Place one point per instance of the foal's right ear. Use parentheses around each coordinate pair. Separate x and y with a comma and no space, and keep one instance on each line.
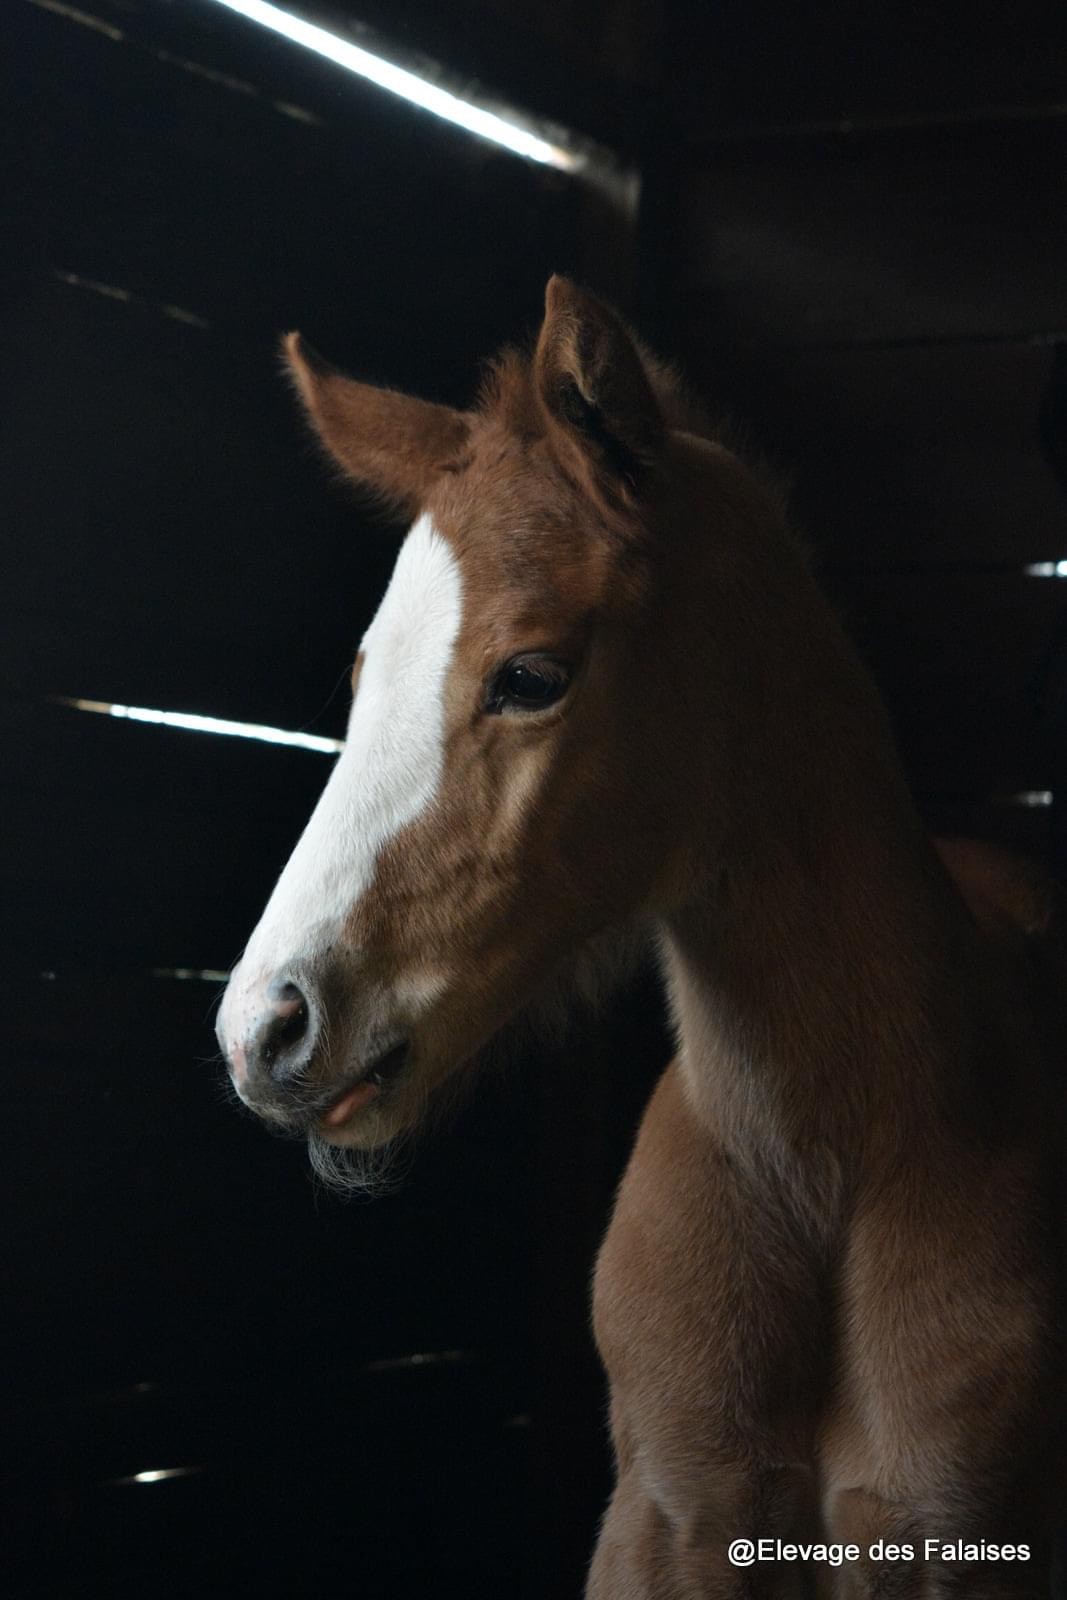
(391,444)
(593,386)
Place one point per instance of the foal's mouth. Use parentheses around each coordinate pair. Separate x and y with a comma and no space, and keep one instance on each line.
(358,1092)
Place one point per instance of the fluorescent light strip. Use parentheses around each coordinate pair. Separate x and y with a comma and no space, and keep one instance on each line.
(408,85)
(1046,569)
(191,722)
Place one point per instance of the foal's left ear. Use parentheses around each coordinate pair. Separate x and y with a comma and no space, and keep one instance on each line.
(391,444)
(593,386)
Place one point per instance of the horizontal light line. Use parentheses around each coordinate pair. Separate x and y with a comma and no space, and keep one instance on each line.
(968,116)
(191,722)
(1032,799)
(226,80)
(192,974)
(185,974)
(1046,569)
(110,291)
(421,1358)
(86,19)
(408,85)
(157,1475)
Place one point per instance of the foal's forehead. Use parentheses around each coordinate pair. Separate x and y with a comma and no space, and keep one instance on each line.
(531,560)
(511,516)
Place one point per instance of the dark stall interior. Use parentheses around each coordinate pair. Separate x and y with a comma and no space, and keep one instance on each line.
(846,224)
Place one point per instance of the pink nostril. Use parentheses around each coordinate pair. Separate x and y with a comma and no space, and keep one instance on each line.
(287,1002)
(272,1035)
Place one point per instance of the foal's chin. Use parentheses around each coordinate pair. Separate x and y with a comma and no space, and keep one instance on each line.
(369,1153)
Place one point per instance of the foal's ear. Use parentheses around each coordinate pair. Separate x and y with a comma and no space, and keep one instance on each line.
(392,444)
(593,386)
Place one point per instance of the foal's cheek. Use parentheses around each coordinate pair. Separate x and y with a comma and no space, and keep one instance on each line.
(516,810)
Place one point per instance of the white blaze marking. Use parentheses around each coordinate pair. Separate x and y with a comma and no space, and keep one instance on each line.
(390,767)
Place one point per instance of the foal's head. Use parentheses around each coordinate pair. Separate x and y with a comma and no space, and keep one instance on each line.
(516,769)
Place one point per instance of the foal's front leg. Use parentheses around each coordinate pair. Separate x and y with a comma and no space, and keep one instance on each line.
(632,1554)
(711,1324)
(643,1555)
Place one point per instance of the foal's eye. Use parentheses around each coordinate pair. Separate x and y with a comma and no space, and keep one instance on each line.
(528,683)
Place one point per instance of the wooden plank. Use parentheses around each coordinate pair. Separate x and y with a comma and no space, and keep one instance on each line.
(964,662)
(908,235)
(902,456)
(754,64)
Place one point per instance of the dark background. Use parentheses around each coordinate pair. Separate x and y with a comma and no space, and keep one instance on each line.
(852,235)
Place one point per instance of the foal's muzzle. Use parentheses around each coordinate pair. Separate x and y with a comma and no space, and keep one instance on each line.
(271,1043)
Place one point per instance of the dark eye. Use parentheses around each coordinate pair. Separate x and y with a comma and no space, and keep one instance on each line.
(527,684)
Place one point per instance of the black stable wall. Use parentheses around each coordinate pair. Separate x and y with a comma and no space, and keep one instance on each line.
(856,241)
(348,1390)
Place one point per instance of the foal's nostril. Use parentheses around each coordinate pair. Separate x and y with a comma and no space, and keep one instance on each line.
(287,1000)
(283,1042)
(284,1032)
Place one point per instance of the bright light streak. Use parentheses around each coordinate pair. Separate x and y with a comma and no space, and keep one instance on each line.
(408,85)
(158,1475)
(191,722)
(1046,569)
(1032,799)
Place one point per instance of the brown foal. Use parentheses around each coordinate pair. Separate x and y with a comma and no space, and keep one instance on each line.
(604,694)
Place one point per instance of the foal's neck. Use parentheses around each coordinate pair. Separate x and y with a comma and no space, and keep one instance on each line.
(819,994)
(818,959)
